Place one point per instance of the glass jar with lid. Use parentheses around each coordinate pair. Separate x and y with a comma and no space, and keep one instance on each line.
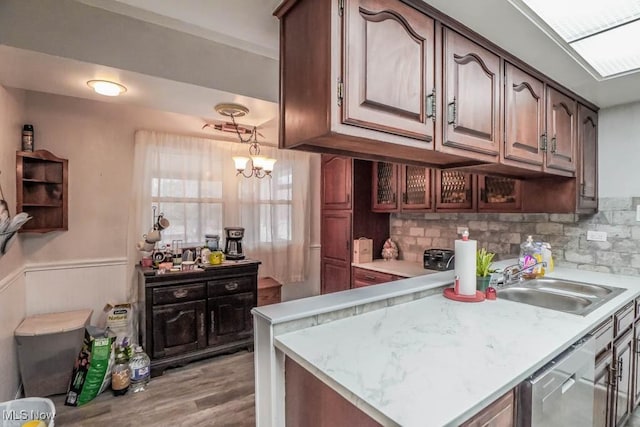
(212,241)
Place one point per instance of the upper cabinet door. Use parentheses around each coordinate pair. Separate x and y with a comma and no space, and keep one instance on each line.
(588,164)
(417,188)
(561,131)
(471,114)
(336,182)
(389,68)
(524,112)
(455,190)
(385,187)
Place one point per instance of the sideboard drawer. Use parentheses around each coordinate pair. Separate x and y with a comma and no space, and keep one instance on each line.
(231,286)
(173,294)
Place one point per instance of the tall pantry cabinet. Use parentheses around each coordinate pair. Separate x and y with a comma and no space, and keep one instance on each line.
(346,215)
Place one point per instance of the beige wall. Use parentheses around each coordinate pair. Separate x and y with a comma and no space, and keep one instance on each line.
(12,284)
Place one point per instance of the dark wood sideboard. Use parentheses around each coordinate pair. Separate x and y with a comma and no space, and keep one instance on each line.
(185,316)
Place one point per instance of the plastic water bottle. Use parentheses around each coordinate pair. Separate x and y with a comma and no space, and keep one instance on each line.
(140,365)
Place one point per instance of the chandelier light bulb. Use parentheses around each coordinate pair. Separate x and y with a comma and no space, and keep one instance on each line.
(240,162)
(268,165)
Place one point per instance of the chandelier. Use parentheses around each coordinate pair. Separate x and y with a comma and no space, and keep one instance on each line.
(260,166)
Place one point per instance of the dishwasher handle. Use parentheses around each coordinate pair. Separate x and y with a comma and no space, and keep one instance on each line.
(568,383)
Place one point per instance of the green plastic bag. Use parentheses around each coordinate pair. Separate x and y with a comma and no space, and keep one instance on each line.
(92,370)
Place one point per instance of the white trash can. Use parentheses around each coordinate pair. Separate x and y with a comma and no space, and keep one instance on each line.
(16,413)
(48,345)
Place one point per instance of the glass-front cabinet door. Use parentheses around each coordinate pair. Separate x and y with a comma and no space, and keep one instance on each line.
(498,193)
(455,190)
(417,188)
(385,187)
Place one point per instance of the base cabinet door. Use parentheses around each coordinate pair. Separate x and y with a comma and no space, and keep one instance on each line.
(230,318)
(604,383)
(336,277)
(622,352)
(178,328)
(636,365)
(500,413)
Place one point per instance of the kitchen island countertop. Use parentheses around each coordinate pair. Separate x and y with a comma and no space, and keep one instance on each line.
(432,361)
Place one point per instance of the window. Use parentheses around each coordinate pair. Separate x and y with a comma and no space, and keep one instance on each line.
(193,182)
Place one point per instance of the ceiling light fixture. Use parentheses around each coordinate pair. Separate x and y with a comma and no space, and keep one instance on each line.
(261,166)
(106,88)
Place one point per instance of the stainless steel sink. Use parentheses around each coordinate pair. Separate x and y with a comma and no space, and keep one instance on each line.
(570,287)
(562,295)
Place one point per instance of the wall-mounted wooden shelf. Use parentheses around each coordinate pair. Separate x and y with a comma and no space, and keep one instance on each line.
(41,182)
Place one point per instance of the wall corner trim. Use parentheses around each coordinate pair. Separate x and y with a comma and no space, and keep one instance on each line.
(8,280)
(79,263)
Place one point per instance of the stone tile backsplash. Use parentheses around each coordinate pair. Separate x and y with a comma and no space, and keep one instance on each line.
(502,233)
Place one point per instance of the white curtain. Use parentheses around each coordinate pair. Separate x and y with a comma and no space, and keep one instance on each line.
(194,183)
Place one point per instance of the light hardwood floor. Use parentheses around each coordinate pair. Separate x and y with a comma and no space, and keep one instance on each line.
(214,392)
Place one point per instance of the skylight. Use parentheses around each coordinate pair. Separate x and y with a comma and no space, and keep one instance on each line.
(602,34)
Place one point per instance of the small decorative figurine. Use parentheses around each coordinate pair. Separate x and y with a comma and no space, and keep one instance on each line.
(389,250)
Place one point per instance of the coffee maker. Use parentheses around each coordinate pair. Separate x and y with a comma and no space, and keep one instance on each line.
(233,243)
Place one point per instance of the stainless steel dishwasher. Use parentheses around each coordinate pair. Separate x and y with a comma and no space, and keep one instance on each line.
(561,393)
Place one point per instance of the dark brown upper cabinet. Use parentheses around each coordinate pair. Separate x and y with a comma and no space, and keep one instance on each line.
(587,159)
(499,194)
(561,132)
(455,191)
(416,188)
(384,197)
(524,116)
(403,188)
(389,69)
(471,80)
(336,183)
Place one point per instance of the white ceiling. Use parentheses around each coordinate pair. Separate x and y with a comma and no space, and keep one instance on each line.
(250,26)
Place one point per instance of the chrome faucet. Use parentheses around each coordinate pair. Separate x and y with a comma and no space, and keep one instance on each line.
(514,273)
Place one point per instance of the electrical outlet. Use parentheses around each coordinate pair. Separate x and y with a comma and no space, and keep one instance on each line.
(597,236)
(637,212)
(463,229)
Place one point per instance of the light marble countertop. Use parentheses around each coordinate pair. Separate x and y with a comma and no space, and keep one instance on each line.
(396,267)
(434,362)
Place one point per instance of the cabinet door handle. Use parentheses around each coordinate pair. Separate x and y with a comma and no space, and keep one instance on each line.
(543,142)
(451,112)
(368,277)
(212,317)
(554,144)
(202,324)
(431,105)
(613,375)
(638,347)
(231,286)
(180,293)
(619,369)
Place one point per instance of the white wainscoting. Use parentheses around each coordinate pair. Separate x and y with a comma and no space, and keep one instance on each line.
(12,312)
(76,284)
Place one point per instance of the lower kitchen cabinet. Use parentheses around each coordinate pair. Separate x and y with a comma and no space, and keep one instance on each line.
(500,413)
(622,352)
(186,316)
(604,380)
(363,277)
(636,365)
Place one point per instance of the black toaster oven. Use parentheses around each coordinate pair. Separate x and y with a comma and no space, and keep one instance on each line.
(439,259)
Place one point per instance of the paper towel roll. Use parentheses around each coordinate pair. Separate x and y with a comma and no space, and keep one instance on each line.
(466,266)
